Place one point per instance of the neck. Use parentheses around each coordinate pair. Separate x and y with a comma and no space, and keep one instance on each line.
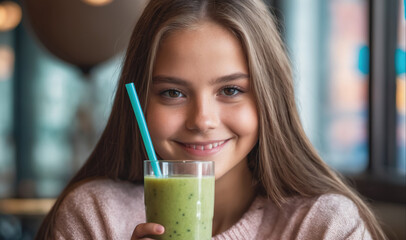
(233,196)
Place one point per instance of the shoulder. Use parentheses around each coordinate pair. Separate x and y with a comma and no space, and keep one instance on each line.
(101,190)
(101,209)
(103,195)
(332,216)
(324,206)
(334,205)
(329,216)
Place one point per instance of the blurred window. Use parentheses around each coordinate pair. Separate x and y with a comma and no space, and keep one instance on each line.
(7,147)
(51,115)
(328,42)
(349,69)
(400,63)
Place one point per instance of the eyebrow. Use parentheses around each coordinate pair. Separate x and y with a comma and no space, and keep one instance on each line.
(179,81)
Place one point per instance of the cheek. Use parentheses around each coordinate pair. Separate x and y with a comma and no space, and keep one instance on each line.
(243,121)
(162,123)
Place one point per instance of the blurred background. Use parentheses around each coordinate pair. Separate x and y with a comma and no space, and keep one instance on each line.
(60,61)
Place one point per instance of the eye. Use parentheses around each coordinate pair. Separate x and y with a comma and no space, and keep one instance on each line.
(230,91)
(172,93)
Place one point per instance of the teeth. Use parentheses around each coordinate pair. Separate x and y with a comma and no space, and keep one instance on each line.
(205,147)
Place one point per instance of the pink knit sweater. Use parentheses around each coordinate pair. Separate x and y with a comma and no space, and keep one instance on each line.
(107,209)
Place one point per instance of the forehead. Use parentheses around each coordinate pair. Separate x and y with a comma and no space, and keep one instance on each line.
(204,30)
(201,26)
(207,46)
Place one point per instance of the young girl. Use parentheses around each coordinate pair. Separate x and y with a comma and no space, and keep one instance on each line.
(216,84)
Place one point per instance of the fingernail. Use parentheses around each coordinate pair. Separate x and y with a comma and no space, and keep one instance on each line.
(160,229)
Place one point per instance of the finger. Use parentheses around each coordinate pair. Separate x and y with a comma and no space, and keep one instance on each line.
(144,229)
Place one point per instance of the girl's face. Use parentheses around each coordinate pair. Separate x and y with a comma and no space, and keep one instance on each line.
(200,105)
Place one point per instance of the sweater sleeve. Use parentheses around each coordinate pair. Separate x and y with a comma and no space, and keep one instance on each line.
(100,210)
(333,217)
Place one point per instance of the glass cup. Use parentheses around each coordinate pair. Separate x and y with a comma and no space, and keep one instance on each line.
(182,200)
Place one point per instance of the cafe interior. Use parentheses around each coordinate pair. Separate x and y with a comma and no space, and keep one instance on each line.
(60,61)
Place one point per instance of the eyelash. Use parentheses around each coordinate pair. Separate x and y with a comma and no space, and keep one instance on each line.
(165,93)
(238,89)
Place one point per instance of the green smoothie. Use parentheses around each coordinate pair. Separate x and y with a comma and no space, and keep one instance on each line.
(182,204)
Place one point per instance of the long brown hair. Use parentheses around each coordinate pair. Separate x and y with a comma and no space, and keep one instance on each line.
(284,162)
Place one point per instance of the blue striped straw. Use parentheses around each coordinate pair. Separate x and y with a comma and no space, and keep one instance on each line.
(135,102)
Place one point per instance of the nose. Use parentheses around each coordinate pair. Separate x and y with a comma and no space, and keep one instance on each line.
(202,115)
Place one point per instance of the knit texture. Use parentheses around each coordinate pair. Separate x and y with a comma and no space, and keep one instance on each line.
(107,209)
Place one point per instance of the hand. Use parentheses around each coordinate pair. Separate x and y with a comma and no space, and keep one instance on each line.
(144,229)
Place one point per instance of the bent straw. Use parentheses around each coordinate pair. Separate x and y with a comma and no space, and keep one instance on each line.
(143,128)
